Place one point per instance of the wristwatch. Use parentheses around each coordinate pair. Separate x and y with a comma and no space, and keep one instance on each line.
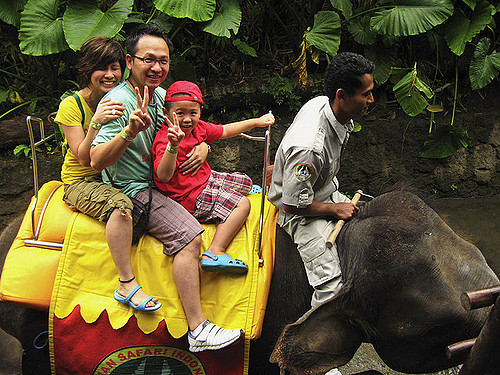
(95,125)
(125,136)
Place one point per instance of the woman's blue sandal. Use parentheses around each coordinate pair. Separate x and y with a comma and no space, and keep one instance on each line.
(140,307)
(223,263)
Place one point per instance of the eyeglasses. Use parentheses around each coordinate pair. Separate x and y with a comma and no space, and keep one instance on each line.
(150,61)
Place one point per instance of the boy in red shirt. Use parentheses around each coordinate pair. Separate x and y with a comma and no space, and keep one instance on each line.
(209,195)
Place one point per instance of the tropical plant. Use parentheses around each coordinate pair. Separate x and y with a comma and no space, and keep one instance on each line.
(224,37)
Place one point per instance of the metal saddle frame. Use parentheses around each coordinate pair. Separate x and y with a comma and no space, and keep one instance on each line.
(58,136)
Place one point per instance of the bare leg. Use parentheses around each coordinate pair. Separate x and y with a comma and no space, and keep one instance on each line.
(202,334)
(227,230)
(187,280)
(119,238)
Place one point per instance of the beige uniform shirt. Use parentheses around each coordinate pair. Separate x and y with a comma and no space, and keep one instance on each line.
(308,158)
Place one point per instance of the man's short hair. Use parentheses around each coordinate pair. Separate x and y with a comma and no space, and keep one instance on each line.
(144,30)
(346,71)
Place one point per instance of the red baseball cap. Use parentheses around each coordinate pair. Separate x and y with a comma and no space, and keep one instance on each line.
(190,90)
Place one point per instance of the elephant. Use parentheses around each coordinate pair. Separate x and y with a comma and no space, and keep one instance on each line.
(403,272)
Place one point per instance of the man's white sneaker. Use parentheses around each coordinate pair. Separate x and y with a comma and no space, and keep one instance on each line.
(333,371)
(213,337)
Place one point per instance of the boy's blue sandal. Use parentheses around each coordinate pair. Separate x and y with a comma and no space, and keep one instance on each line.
(141,306)
(223,263)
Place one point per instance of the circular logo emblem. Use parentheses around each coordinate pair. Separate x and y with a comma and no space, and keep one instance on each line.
(303,171)
(151,360)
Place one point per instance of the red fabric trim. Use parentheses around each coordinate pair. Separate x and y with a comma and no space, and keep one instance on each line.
(81,348)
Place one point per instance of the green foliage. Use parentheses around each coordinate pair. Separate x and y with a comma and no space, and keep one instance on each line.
(445,141)
(410,17)
(344,6)
(361,31)
(23,150)
(244,48)
(41,31)
(197,10)
(385,58)
(282,91)
(9,11)
(226,21)
(221,38)
(460,30)
(410,91)
(92,21)
(325,34)
(484,66)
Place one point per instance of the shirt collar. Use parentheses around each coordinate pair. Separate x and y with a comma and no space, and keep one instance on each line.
(341,130)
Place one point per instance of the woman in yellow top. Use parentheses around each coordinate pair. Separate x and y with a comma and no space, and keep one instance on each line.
(101,66)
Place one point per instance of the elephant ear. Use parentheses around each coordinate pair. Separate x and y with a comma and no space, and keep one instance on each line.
(320,340)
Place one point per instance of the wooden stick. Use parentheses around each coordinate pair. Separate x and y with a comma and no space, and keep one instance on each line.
(479,298)
(461,347)
(336,230)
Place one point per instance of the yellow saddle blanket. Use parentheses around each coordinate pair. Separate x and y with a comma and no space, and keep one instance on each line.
(83,273)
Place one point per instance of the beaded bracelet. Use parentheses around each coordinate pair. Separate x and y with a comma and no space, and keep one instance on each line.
(172,150)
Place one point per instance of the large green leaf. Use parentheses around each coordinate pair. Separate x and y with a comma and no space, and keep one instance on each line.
(384,58)
(460,30)
(83,20)
(345,6)
(325,34)
(361,31)
(9,11)
(483,67)
(445,141)
(408,92)
(229,18)
(197,10)
(41,31)
(411,17)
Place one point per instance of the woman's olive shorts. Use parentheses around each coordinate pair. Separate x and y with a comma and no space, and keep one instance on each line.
(95,198)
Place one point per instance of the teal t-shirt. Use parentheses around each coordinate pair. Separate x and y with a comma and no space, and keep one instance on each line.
(132,171)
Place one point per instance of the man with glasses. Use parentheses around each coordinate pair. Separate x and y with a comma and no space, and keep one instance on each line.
(123,148)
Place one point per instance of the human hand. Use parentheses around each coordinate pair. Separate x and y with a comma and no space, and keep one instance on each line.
(107,110)
(344,210)
(195,159)
(175,134)
(265,120)
(139,119)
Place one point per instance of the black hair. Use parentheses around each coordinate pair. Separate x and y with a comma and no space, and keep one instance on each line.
(346,71)
(96,54)
(138,33)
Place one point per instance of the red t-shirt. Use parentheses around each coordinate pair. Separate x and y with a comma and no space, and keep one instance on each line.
(185,188)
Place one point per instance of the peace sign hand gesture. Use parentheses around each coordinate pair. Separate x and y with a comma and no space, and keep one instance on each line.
(139,119)
(175,134)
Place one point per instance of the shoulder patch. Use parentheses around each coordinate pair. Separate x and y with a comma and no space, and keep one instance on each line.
(303,171)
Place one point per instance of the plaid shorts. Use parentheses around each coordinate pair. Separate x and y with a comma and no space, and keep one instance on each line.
(221,196)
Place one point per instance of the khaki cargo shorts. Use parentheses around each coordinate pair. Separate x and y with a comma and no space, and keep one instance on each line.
(93,197)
